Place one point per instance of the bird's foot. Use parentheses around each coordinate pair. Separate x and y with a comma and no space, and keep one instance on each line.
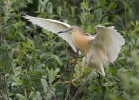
(72,82)
(72,61)
(67,82)
(86,67)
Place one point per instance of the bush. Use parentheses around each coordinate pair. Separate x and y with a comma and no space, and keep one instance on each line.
(33,60)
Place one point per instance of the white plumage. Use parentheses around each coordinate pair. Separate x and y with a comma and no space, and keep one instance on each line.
(53,26)
(98,50)
(106,46)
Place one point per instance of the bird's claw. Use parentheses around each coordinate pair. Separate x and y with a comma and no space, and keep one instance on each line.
(67,82)
(86,67)
(72,61)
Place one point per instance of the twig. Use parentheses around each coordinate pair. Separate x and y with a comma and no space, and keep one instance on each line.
(53,96)
(71,74)
(26,33)
(6,88)
(64,71)
(77,92)
(125,13)
(2,94)
(74,2)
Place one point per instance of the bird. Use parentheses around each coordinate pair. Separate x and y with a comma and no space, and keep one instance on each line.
(98,50)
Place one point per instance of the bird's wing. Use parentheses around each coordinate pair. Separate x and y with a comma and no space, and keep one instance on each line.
(110,39)
(53,26)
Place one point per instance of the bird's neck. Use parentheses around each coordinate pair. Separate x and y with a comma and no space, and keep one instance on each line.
(81,41)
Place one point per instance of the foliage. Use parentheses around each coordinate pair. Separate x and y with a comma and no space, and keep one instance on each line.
(33,60)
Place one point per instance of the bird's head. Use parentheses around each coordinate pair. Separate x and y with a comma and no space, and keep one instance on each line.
(70,29)
(100,28)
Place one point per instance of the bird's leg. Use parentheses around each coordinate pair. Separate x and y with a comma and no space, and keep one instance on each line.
(86,61)
(79,75)
(86,67)
(73,80)
(67,82)
(99,80)
(72,61)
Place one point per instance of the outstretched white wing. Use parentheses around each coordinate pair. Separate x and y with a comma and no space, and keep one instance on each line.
(53,26)
(110,39)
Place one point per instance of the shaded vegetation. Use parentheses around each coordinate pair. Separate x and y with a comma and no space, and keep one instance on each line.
(33,60)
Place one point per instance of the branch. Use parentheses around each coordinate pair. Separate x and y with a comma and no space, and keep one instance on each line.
(71,74)
(64,72)
(77,92)
(53,96)
(2,95)
(6,88)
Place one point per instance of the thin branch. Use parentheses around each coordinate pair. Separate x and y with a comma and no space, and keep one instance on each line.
(26,33)
(53,96)
(64,71)
(2,94)
(6,88)
(125,13)
(77,92)
(71,77)
(74,2)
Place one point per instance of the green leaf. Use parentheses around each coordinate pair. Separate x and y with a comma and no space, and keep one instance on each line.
(25,44)
(0,28)
(132,23)
(46,32)
(37,96)
(51,75)
(18,81)
(73,10)
(44,84)
(21,97)
(31,42)
(84,5)
(89,29)
(21,35)
(57,70)
(43,55)
(57,59)
(30,1)
(113,6)
(48,96)
(42,4)
(29,28)
(102,2)
(50,7)
(59,10)
(137,42)
(31,95)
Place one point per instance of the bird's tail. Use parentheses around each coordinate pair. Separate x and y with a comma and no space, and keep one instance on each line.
(100,69)
(111,41)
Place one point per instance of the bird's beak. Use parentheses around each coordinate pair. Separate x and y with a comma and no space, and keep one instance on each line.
(64,31)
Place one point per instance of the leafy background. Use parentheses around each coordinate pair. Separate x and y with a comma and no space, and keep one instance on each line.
(33,60)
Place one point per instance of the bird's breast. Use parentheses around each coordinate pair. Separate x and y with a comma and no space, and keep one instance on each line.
(82,41)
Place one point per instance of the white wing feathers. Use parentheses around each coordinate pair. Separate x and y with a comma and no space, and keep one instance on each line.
(53,26)
(111,41)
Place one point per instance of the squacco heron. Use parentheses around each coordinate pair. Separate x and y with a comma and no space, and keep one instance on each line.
(98,50)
